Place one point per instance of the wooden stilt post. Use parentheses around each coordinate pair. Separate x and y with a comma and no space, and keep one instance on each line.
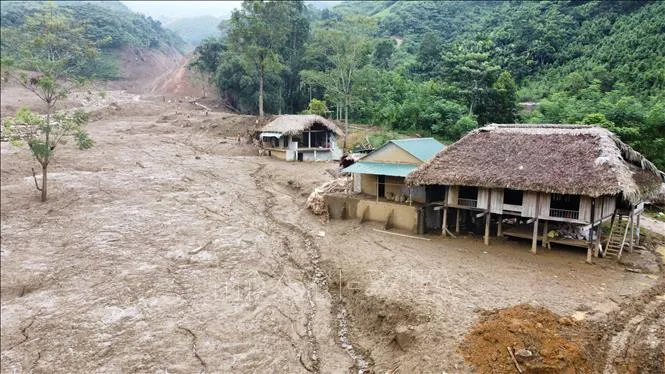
(377,188)
(598,240)
(499,228)
(534,240)
(544,241)
(632,230)
(488,218)
(638,229)
(457,213)
(444,227)
(589,249)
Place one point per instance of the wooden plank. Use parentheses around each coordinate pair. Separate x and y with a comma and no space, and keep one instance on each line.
(529,202)
(496,201)
(585,209)
(544,203)
(453,192)
(483,198)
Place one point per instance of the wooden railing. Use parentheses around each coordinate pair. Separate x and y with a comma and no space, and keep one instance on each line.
(467,202)
(563,213)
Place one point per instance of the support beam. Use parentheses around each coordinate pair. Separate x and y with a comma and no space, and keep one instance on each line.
(598,239)
(499,227)
(638,229)
(534,240)
(457,212)
(444,227)
(544,241)
(632,230)
(488,218)
(589,245)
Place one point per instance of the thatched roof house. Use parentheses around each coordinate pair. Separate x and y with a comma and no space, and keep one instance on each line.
(563,159)
(301,137)
(291,124)
(559,174)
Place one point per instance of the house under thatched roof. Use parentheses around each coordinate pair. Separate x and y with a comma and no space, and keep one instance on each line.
(291,124)
(564,159)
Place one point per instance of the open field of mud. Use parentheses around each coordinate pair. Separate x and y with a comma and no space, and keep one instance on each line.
(171,247)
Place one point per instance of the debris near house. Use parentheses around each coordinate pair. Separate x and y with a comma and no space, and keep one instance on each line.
(316,202)
(526,339)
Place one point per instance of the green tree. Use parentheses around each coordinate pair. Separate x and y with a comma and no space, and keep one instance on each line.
(348,48)
(383,51)
(257,32)
(44,134)
(317,107)
(53,48)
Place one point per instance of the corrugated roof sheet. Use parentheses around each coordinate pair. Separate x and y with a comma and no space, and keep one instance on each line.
(421,148)
(380,168)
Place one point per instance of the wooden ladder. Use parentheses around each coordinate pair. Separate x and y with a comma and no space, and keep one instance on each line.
(617,239)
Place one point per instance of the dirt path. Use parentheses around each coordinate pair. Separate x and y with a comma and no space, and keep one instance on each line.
(652,224)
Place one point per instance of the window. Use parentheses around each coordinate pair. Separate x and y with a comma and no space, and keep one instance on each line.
(468,196)
(466,192)
(512,197)
(565,206)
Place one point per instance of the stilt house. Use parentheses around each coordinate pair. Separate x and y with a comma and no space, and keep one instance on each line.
(544,175)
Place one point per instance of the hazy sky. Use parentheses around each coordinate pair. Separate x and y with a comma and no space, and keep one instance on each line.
(182,9)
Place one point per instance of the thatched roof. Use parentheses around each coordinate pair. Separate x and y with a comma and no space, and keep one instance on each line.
(566,159)
(291,124)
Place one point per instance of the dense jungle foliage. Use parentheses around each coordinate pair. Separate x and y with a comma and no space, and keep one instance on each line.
(444,68)
(110,26)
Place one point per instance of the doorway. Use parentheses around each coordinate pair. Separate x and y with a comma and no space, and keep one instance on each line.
(382,186)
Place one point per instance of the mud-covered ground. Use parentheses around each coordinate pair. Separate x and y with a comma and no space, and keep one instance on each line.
(171,247)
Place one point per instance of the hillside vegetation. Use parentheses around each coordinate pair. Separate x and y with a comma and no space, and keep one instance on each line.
(444,68)
(110,26)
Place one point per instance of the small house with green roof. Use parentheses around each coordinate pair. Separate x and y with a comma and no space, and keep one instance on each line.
(381,173)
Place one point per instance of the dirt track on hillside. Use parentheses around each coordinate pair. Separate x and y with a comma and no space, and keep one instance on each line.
(171,247)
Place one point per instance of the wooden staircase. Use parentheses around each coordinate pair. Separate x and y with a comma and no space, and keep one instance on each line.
(618,238)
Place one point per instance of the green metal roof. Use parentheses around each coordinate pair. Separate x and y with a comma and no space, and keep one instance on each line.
(380,168)
(422,148)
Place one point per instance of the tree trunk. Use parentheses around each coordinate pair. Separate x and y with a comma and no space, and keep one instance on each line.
(346,120)
(261,72)
(44,182)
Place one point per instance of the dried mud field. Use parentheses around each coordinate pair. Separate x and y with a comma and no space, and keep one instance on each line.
(171,247)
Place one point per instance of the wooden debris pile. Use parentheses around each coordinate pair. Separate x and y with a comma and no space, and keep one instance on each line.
(316,202)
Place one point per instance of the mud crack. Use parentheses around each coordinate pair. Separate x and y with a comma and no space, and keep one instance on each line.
(204,366)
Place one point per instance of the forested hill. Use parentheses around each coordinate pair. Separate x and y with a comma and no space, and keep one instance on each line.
(195,29)
(109,25)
